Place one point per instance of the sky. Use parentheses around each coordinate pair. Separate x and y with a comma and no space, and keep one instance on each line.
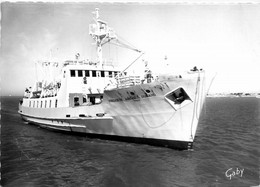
(222,38)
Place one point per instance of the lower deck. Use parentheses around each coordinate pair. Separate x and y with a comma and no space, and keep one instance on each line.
(81,131)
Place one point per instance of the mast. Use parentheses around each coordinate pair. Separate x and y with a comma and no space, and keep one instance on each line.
(101,33)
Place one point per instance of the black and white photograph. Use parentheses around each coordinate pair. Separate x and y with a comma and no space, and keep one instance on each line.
(130,93)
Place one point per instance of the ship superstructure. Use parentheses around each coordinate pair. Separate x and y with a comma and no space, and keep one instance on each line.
(102,101)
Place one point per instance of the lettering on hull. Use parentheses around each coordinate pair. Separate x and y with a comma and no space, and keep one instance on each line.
(134,94)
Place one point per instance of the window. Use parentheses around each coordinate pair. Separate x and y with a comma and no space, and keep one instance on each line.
(72,73)
(41,104)
(33,104)
(56,103)
(102,74)
(37,104)
(92,100)
(50,104)
(84,99)
(29,103)
(45,104)
(85,81)
(76,101)
(94,73)
(80,73)
(110,74)
(86,73)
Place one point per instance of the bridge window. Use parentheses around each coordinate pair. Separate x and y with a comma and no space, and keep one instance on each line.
(50,104)
(102,74)
(41,104)
(94,73)
(86,73)
(45,104)
(72,73)
(56,103)
(80,73)
(29,103)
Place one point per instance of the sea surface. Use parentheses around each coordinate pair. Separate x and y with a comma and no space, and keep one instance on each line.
(226,153)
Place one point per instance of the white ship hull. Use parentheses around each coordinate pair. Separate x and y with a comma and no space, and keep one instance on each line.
(142,114)
(97,99)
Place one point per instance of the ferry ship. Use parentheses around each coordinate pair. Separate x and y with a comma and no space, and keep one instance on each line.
(99,100)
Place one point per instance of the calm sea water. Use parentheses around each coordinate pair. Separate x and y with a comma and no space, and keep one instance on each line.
(226,153)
